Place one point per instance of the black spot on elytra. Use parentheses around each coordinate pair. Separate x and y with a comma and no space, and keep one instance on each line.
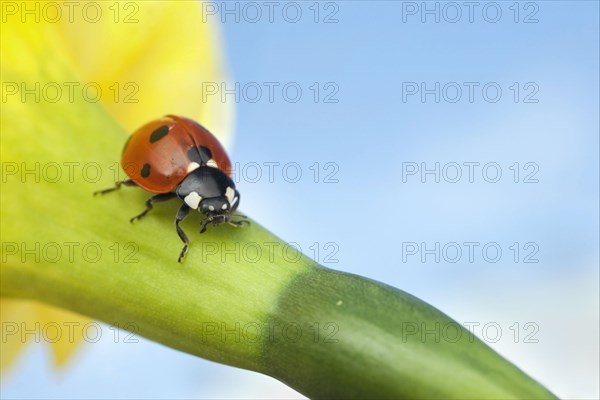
(159,133)
(200,155)
(145,171)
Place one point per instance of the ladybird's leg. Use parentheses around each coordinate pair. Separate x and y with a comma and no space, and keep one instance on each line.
(236,199)
(117,186)
(203,224)
(233,209)
(154,199)
(181,214)
(238,223)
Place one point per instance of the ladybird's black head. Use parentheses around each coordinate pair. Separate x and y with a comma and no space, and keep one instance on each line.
(211,192)
(215,207)
(217,210)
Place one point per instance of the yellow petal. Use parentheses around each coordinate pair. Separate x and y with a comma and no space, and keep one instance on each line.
(151,59)
(13,313)
(63,329)
(148,59)
(25,321)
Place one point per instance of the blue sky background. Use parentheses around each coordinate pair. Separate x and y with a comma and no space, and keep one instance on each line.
(370,212)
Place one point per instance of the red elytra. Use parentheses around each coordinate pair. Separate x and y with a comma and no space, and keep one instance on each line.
(157,157)
(175,157)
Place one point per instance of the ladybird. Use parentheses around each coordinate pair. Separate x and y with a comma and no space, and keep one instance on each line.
(176,157)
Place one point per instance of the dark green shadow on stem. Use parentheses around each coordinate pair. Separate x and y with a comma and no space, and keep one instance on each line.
(344,336)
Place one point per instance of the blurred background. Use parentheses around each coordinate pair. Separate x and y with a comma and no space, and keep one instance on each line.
(449,150)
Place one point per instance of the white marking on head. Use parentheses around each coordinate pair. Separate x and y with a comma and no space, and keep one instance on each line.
(229,193)
(212,163)
(224,206)
(193,200)
(192,166)
(211,208)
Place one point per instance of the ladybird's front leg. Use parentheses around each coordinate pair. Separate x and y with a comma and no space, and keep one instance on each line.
(203,225)
(181,214)
(239,223)
(117,186)
(154,199)
(236,203)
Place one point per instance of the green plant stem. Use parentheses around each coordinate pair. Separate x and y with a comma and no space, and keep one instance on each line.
(212,306)
(324,333)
